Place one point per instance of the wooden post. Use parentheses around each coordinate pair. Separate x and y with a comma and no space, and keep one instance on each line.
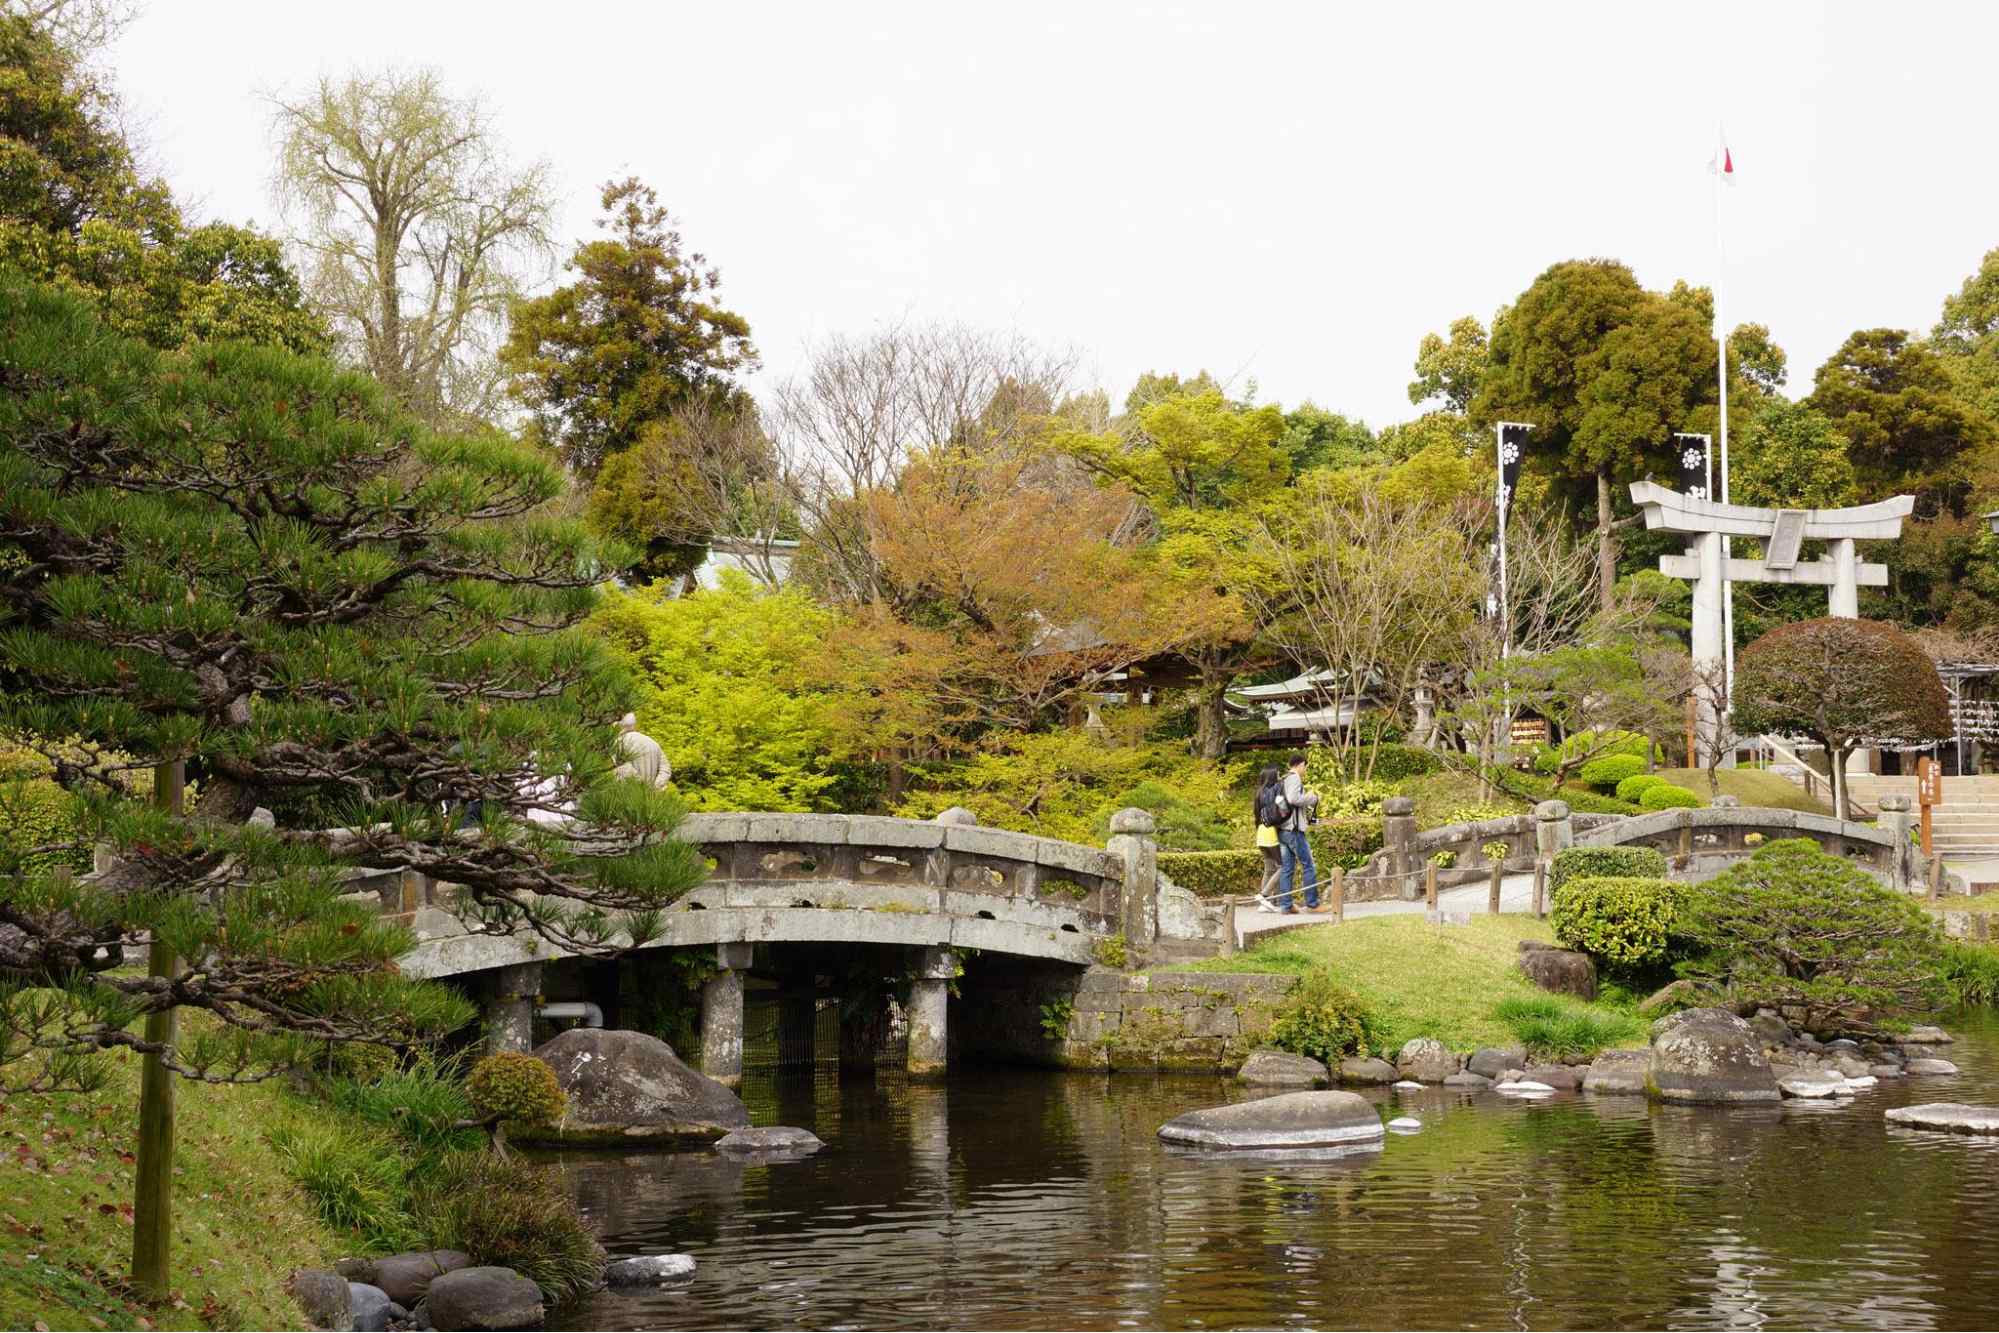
(1339,893)
(1540,890)
(1936,878)
(1228,927)
(1430,885)
(1492,894)
(1693,755)
(153,1185)
(1929,794)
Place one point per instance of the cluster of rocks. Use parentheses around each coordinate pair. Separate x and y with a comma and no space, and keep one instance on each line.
(444,1289)
(1696,1056)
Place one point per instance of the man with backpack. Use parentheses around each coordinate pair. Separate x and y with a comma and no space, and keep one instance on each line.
(1294,806)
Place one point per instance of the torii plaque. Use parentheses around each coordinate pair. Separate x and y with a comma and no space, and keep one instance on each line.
(1783,532)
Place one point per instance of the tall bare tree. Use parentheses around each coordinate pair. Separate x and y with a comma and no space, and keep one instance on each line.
(851,420)
(83,27)
(415,230)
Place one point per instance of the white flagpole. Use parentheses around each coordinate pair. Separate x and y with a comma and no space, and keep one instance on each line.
(1505,612)
(1721,374)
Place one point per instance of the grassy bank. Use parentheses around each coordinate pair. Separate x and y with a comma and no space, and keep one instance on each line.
(1458,984)
(1751,786)
(240,1225)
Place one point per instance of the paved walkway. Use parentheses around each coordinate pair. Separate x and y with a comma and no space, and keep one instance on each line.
(1516,894)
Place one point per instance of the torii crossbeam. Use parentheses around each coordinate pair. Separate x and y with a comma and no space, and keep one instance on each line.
(1783,533)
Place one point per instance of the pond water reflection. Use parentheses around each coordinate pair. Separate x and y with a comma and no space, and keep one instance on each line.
(1035,1200)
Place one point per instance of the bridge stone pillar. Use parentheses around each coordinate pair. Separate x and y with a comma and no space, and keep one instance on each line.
(1398,839)
(1899,823)
(1131,840)
(510,1008)
(1554,831)
(929,1003)
(722,1016)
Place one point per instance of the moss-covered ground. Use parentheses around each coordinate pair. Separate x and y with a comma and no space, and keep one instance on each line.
(66,1176)
(1447,982)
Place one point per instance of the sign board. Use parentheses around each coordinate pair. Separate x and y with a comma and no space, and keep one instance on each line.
(1929,782)
(1530,731)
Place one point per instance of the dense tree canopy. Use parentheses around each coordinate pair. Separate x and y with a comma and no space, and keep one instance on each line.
(1907,427)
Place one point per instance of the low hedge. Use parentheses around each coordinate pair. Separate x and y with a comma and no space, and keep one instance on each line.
(1635,786)
(1620,862)
(1626,921)
(1342,842)
(1666,796)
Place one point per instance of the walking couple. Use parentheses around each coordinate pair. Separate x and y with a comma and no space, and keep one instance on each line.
(1283,812)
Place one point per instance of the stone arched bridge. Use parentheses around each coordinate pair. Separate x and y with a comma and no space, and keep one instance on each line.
(933,887)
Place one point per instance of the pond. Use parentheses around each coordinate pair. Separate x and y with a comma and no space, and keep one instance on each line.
(1043,1201)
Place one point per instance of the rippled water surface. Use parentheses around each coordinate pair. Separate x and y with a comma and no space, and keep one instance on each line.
(1032,1200)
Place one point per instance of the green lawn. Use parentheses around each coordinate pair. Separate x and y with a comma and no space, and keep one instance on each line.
(1437,795)
(65,1210)
(1428,981)
(1751,786)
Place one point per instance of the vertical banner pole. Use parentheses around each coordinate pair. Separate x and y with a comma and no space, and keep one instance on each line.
(1721,160)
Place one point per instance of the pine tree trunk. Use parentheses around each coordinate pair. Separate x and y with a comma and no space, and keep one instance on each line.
(153,1186)
(1606,546)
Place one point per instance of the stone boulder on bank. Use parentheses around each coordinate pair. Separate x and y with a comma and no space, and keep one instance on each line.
(1618,1074)
(1706,1057)
(627,1087)
(490,1300)
(1560,971)
(1282,1069)
(323,1298)
(1366,1071)
(404,1278)
(1426,1060)
(1291,1120)
(1492,1061)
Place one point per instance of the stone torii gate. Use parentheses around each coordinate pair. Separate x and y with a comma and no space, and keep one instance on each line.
(1783,533)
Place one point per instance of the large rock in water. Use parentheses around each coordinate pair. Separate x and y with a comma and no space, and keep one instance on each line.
(1426,1060)
(1618,1074)
(1955,1117)
(1366,1070)
(487,1299)
(1289,1120)
(1492,1061)
(1281,1068)
(627,1087)
(770,1141)
(1708,1057)
(1563,971)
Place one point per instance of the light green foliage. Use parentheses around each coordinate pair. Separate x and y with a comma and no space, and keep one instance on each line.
(1969,973)
(513,1085)
(1493,851)
(727,691)
(1598,696)
(1791,457)
(1547,758)
(1474,813)
(1445,859)
(1793,927)
(1666,796)
(1324,1020)
(354,1178)
(1193,450)
(1314,437)
(1214,874)
(1590,862)
(1606,771)
(1624,921)
(1055,1016)
(1635,786)
(507,1212)
(1450,372)
(35,813)
(1111,951)
(1555,1029)
(1067,784)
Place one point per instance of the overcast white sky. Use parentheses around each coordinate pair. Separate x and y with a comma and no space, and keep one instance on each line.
(1287,193)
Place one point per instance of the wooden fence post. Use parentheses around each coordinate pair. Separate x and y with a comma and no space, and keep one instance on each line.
(153,1187)
(1492,894)
(1936,878)
(1339,893)
(1430,885)
(1540,890)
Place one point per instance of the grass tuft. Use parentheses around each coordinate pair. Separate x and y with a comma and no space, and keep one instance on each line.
(1554,1029)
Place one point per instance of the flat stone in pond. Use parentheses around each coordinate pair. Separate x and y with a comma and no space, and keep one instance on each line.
(1408,1085)
(1811,1085)
(1405,1124)
(1618,1074)
(1929,1067)
(1492,1061)
(1956,1117)
(1467,1079)
(770,1139)
(1884,1071)
(1925,1035)
(1282,1069)
(1524,1087)
(1561,1078)
(649,1268)
(1366,1070)
(1289,1120)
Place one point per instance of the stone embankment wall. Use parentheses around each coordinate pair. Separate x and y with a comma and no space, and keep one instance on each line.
(1104,1019)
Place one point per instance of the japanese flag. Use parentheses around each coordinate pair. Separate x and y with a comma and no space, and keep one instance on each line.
(1723,163)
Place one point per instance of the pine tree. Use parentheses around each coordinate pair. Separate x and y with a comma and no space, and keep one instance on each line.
(244,561)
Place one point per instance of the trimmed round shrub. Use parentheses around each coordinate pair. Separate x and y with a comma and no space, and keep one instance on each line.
(1624,920)
(1395,763)
(513,1085)
(1637,785)
(1606,771)
(1666,796)
(1324,1020)
(1626,862)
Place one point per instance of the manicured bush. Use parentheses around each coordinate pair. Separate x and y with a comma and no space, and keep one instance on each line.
(1324,1020)
(511,1213)
(1624,921)
(1548,758)
(1666,796)
(1798,929)
(1636,785)
(513,1085)
(1344,842)
(1553,1029)
(1398,763)
(1606,771)
(1581,862)
(35,813)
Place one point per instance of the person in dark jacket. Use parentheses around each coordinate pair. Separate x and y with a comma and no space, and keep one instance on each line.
(1296,870)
